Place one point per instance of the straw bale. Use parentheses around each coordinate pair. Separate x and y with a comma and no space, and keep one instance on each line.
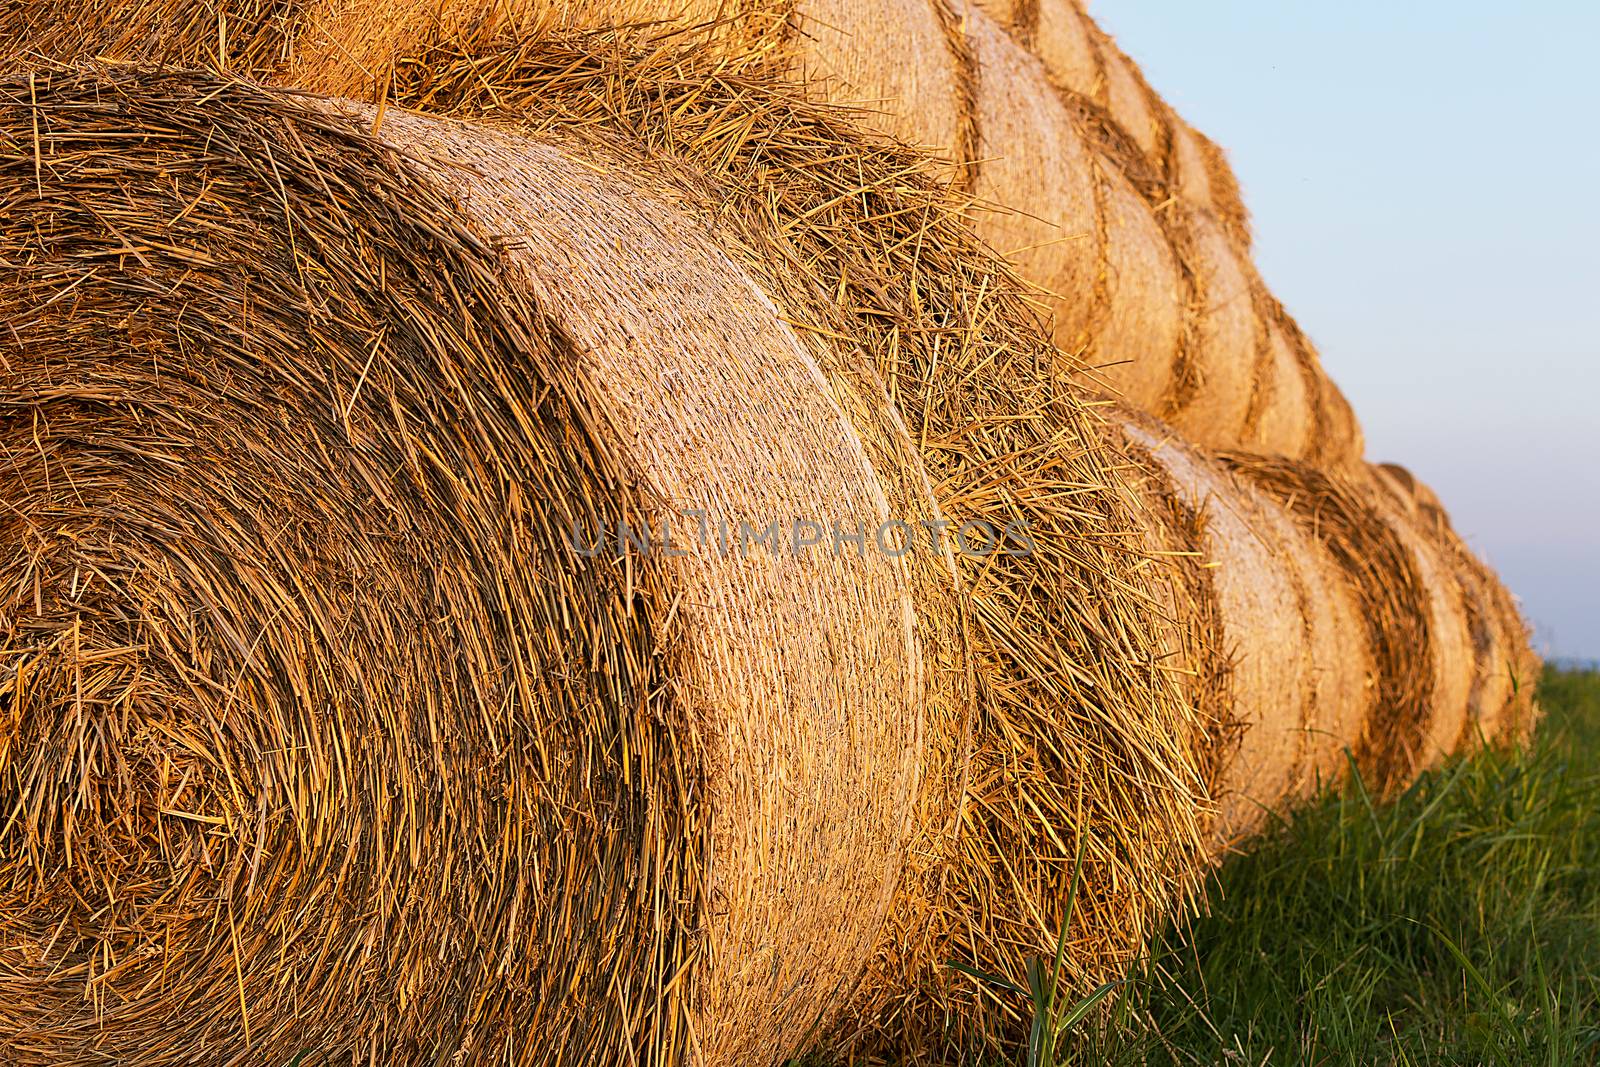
(322,721)
(1340,444)
(1061,37)
(1283,417)
(924,95)
(1188,164)
(1450,641)
(1074,708)
(1129,101)
(1210,399)
(1409,604)
(1500,706)
(720,292)
(1083,59)
(1136,343)
(1039,175)
(1286,617)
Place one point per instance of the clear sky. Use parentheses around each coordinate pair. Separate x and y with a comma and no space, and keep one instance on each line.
(1424,181)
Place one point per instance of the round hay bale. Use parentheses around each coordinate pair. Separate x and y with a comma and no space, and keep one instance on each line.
(698,242)
(1138,339)
(1284,615)
(1340,444)
(1189,163)
(1450,640)
(1128,99)
(1036,175)
(1210,400)
(1060,35)
(1499,704)
(1079,734)
(327,718)
(1396,608)
(1283,414)
(926,96)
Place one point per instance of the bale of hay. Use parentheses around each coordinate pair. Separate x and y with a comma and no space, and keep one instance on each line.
(339,743)
(1452,649)
(924,97)
(1183,331)
(330,737)
(1074,694)
(1279,606)
(1500,704)
(1349,622)
(1083,59)
(1080,733)
(1411,631)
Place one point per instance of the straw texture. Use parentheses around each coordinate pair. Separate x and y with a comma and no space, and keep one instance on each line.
(1452,653)
(1126,220)
(466,788)
(319,733)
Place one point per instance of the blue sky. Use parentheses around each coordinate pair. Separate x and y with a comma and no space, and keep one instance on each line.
(1424,179)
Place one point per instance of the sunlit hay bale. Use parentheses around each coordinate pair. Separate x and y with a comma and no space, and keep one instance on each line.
(1276,604)
(1115,210)
(1080,731)
(323,731)
(1451,645)
(1083,59)
(1500,705)
(925,95)
(708,291)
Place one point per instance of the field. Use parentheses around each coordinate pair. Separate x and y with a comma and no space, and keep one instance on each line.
(1458,924)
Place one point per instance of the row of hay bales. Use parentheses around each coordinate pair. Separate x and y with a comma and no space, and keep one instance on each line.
(323,741)
(1127,220)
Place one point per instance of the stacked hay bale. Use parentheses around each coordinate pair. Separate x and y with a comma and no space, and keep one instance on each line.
(1500,703)
(1284,616)
(1127,221)
(306,695)
(657,269)
(1356,626)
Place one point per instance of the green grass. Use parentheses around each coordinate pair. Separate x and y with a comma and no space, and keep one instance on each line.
(1458,924)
